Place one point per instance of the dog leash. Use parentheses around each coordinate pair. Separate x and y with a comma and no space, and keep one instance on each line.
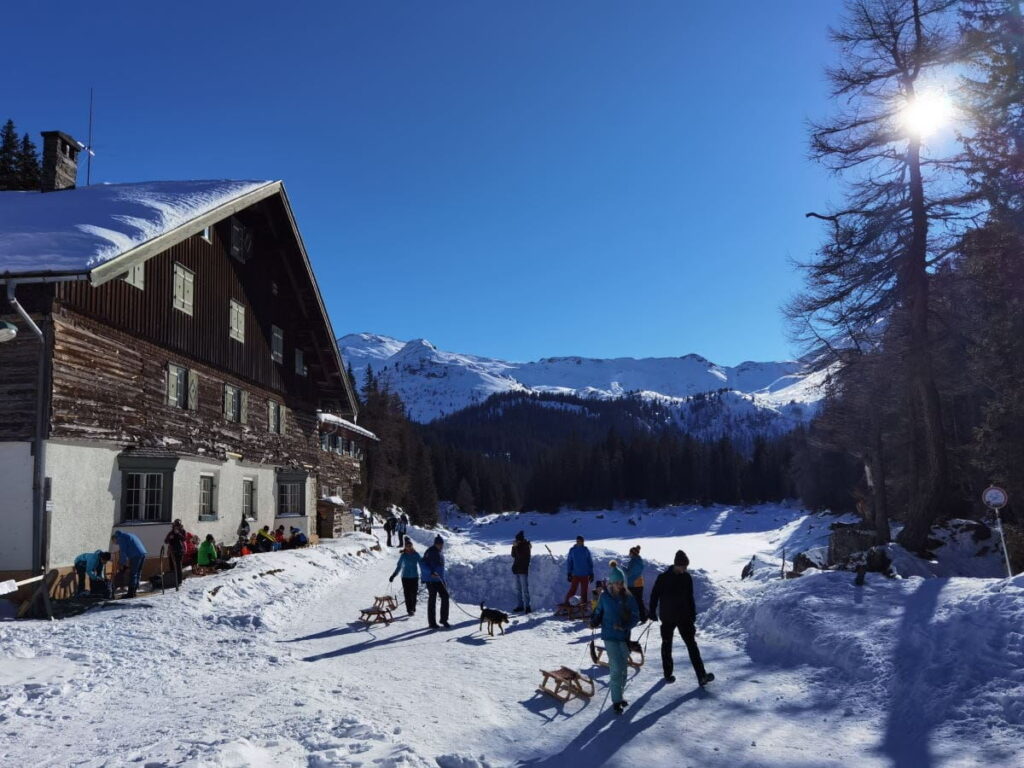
(451,598)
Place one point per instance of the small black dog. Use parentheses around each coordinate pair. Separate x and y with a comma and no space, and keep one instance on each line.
(492,617)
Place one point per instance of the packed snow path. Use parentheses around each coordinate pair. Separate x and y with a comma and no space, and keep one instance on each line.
(267,665)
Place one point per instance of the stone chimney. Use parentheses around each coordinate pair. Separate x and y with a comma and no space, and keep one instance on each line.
(60,161)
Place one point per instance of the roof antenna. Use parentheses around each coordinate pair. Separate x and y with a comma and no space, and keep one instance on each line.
(88,147)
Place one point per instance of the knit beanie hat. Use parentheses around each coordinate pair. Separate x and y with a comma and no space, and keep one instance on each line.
(438,541)
(681,558)
(520,536)
(614,574)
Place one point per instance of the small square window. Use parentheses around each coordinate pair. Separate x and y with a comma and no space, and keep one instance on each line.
(236,320)
(207,497)
(184,289)
(207,234)
(277,344)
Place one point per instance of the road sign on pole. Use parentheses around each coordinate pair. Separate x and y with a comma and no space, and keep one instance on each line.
(995,498)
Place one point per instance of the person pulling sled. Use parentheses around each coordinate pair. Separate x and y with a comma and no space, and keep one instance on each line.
(617,613)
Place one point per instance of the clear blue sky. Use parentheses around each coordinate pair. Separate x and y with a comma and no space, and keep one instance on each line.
(514,179)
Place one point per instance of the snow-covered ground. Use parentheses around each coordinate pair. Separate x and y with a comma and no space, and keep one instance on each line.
(265,665)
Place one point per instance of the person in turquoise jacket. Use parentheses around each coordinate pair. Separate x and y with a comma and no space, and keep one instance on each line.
(616,615)
(409,565)
(93,565)
(635,580)
(133,556)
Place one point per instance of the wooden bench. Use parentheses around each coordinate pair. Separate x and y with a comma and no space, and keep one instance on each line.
(565,684)
(376,615)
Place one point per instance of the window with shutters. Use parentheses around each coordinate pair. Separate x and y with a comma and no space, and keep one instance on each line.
(177,386)
(277,344)
(325,441)
(248,498)
(184,289)
(136,276)
(236,320)
(241,245)
(232,403)
(207,497)
(274,416)
(300,363)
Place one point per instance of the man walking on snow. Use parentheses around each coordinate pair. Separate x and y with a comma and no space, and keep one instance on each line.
(672,602)
(581,570)
(521,571)
(432,570)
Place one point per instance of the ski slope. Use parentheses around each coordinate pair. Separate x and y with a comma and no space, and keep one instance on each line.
(265,665)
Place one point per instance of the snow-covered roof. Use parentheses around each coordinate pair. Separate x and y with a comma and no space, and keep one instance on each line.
(330,418)
(74,231)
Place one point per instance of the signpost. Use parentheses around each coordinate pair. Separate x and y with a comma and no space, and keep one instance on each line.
(995,498)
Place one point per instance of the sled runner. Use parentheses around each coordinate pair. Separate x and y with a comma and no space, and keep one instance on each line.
(635,660)
(565,684)
(376,615)
(385,602)
(570,611)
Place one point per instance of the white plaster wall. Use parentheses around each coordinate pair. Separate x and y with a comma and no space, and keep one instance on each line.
(85,488)
(228,482)
(86,494)
(16,506)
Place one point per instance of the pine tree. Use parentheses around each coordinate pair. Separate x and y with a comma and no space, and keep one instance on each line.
(28,172)
(8,156)
(464,498)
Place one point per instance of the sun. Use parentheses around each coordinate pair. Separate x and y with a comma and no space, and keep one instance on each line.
(927,112)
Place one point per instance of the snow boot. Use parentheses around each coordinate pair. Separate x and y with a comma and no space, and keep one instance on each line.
(620,707)
(705,680)
(670,678)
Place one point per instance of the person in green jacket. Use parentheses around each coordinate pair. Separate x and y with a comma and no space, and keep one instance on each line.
(207,555)
(616,614)
(409,565)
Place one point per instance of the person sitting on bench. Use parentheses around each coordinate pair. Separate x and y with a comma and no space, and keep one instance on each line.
(94,565)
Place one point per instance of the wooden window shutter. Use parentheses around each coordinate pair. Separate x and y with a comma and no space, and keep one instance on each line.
(193,390)
(227,402)
(172,386)
(243,409)
(284,414)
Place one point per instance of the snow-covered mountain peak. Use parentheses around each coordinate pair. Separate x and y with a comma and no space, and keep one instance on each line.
(435,383)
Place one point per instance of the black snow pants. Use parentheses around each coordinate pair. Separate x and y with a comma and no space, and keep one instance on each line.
(410,587)
(688,632)
(638,595)
(435,588)
(176,556)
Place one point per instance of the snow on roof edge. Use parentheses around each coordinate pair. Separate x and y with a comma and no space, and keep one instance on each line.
(330,418)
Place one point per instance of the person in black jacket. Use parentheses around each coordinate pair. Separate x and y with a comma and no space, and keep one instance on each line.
(175,541)
(521,571)
(672,602)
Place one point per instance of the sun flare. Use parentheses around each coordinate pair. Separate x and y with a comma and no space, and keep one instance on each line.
(929,111)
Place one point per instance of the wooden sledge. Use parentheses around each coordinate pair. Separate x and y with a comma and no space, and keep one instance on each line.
(565,684)
(376,615)
(386,602)
(636,654)
(570,611)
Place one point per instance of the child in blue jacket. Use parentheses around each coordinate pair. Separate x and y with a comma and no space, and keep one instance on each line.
(409,565)
(616,614)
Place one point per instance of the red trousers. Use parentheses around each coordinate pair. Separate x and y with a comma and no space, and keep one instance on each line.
(581,582)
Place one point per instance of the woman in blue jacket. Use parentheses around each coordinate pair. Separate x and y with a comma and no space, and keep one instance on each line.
(409,565)
(616,614)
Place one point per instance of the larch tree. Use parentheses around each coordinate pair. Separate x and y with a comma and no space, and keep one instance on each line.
(891,229)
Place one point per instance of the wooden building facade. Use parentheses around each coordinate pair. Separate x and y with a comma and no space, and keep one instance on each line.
(194,375)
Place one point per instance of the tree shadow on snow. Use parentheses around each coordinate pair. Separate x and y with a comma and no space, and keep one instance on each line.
(598,742)
(912,709)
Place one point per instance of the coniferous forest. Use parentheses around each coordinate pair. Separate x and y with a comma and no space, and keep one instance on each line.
(914,302)
(19,160)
